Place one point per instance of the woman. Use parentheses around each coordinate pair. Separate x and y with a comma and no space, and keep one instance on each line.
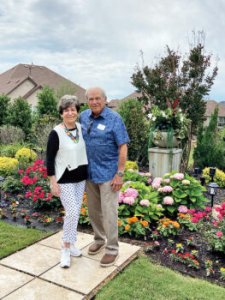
(67,169)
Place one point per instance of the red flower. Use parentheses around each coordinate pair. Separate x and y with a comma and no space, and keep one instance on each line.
(219,233)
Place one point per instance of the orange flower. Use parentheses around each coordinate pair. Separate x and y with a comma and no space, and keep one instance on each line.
(176,224)
(85,197)
(127,227)
(132,220)
(144,223)
(83,211)
(119,222)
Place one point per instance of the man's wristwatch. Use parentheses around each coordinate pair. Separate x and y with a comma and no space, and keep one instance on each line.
(120,173)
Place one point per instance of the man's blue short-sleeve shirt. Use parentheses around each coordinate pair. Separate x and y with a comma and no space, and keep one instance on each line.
(103,136)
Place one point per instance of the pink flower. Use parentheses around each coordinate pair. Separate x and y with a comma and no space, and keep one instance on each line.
(219,233)
(130,192)
(168,200)
(145,202)
(183,209)
(121,197)
(194,220)
(178,176)
(166,189)
(156,182)
(149,181)
(208,209)
(129,200)
(166,180)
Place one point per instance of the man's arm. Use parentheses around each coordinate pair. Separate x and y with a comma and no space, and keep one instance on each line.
(117,180)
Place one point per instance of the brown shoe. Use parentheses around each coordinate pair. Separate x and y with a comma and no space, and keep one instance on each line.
(95,248)
(108,260)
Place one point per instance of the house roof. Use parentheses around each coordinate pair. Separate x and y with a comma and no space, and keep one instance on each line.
(210,107)
(40,76)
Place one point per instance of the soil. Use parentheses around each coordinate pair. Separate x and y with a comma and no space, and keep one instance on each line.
(158,251)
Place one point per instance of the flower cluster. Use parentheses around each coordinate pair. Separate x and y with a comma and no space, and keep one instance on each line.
(133,226)
(185,258)
(169,119)
(168,227)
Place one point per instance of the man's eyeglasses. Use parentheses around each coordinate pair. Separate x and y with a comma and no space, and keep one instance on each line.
(89,127)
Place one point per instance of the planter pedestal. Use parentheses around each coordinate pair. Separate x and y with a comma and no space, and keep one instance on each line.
(163,160)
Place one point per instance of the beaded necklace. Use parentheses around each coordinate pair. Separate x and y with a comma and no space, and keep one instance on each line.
(75,138)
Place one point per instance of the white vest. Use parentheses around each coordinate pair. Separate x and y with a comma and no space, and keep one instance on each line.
(70,155)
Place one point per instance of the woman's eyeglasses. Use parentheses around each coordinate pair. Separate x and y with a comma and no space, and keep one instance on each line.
(89,127)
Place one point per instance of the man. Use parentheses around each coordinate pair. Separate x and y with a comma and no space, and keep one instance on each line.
(106,141)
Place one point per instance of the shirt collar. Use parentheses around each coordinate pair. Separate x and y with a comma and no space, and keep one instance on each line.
(103,114)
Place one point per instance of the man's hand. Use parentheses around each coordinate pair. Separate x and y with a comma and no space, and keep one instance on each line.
(116,183)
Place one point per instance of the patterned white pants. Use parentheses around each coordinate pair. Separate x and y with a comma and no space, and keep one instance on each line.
(71,195)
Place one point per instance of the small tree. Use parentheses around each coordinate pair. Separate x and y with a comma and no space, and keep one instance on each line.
(4,105)
(20,115)
(210,150)
(134,118)
(47,102)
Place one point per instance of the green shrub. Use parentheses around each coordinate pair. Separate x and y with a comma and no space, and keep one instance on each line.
(219,177)
(10,150)
(20,115)
(137,127)
(11,134)
(4,104)
(25,154)
(12,184)
(131,165)
(47,102)
(210,149)
(8,166)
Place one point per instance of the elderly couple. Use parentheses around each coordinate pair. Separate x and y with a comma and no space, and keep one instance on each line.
(99,166)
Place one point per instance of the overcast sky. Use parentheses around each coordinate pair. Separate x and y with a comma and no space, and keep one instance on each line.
(98,42)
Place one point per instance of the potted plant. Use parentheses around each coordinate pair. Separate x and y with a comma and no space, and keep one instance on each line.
(168,127)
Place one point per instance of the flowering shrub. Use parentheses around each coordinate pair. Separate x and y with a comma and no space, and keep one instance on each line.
(8,166)
(185,258)
(179,191)
(137,199)
(35,180)
(133,226)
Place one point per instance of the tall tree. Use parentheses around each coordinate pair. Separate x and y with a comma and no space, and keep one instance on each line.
(4,105)
(47,102)
(173,77)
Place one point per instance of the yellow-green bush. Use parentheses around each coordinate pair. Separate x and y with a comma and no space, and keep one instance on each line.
(25,154)
(219,177)
(8,165)
(131,165)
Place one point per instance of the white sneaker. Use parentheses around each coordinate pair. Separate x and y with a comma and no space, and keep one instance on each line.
(75,251)
(65,258)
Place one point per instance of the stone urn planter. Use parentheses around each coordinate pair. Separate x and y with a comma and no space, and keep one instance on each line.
(164,139)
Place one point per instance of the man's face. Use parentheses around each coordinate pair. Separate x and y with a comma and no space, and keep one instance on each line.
(96,101)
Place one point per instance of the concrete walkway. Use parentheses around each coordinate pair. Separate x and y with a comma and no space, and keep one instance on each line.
(34,272)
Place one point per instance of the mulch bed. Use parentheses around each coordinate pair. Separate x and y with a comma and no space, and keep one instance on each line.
(157,251)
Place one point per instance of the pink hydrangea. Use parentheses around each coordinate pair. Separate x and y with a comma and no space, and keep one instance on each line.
(178,176)
(130,192)
(168,200)
(128,200)
(121,197)
(166,189)
(156,182)
(183,209)
(166,180)
(145,202)
(149,181)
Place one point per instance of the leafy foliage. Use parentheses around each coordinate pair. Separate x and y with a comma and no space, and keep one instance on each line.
(174,77)
(137,127)
(11,134)
(4,104)
(20,115)
(210,150)
(47,102)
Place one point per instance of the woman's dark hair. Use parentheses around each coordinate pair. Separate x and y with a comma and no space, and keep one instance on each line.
(67,101)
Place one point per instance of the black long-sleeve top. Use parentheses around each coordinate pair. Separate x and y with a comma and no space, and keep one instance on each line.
(75,175)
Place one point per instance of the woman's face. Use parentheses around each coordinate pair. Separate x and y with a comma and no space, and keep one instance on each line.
(69,114)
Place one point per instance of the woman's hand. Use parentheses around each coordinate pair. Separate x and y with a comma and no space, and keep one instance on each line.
(54,186)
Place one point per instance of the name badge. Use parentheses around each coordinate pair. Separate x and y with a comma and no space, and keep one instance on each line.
(101,126)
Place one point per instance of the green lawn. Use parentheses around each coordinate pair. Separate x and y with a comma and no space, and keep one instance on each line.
(144,280)
(14,238)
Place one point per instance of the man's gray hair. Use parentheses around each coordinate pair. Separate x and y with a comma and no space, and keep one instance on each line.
(67,101)
(96,88)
